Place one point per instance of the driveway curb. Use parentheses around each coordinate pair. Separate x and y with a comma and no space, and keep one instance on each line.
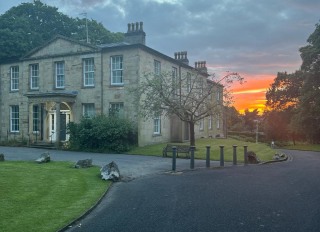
(74,222)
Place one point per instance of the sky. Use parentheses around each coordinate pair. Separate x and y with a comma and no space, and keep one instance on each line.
(255,38)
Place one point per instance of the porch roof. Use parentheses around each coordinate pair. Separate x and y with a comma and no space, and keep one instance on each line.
(39,97)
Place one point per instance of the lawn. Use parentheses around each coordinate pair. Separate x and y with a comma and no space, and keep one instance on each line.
(46,197)
(304,147)
(263,151)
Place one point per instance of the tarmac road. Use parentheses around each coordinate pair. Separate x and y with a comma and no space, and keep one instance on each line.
(273,197)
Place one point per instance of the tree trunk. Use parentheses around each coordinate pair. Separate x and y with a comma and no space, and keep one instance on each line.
(192,137)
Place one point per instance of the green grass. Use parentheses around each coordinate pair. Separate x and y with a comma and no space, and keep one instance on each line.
(263,151)
(46,197)
(304,147)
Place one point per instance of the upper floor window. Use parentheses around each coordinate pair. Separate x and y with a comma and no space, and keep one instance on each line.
(60,79)
(34,76)
(88,110)
(218,95)
(188,82)
(157,67)
(174,80)
(116,70)
(14,118)
(88,72)
(201,86)
(14,78)
(157,125)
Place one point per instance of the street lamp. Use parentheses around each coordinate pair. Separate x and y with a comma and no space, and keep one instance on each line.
(257,129)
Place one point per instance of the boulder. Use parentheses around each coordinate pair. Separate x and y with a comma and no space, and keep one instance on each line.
(1,157)
(110,172)
(44,158)
(276,157)
(252,158)
(86,163)
(281,156)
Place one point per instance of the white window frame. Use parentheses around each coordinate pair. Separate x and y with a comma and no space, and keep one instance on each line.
(88,110)
(34,76)
(201,124)
(14,118)
(210,122)
(117,106)
(14,78)
(116,70)
(157,67)
(157,125)
(35,118)
(218,95)
(174,80)
(218,122)
(188,82)
(59,74)
(88,72)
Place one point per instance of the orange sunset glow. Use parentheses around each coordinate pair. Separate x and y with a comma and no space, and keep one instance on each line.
(252,94)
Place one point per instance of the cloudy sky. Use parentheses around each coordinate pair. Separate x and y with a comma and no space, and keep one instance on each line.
(256,38)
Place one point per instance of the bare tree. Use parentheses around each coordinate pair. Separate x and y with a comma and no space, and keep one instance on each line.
(191,97)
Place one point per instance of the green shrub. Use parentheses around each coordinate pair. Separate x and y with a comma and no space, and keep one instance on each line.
(102,133)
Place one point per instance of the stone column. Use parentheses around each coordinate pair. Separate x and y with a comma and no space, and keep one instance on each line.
(58,124)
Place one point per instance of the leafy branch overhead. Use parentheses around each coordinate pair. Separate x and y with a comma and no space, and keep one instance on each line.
(29,25)
(190,97)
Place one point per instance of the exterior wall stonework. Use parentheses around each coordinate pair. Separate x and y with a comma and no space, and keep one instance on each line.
(137,60)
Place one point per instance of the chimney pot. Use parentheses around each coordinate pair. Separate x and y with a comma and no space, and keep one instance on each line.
(141,26)
(137,26)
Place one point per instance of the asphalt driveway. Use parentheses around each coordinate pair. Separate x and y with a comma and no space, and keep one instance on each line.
(274,197)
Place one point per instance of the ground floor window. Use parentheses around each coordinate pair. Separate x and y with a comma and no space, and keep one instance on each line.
(116,109)
(14,118)
(210,123)
(88,110)
(201,124)
(157,125)
(35,118)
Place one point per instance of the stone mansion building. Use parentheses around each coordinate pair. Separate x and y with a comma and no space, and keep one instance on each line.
(64,80)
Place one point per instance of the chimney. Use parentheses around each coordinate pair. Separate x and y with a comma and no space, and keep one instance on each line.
(182,57)
(135,34)
(201,67)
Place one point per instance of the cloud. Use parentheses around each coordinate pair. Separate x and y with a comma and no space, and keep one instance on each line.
(255,38)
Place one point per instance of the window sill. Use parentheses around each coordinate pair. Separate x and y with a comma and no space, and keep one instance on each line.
(88,87)
(156,135)
(117,85)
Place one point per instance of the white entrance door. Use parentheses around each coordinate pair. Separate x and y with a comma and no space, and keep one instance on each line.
(64,120)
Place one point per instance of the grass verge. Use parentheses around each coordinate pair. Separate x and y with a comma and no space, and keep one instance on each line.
(45,197)
(263,151)
(303,147)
